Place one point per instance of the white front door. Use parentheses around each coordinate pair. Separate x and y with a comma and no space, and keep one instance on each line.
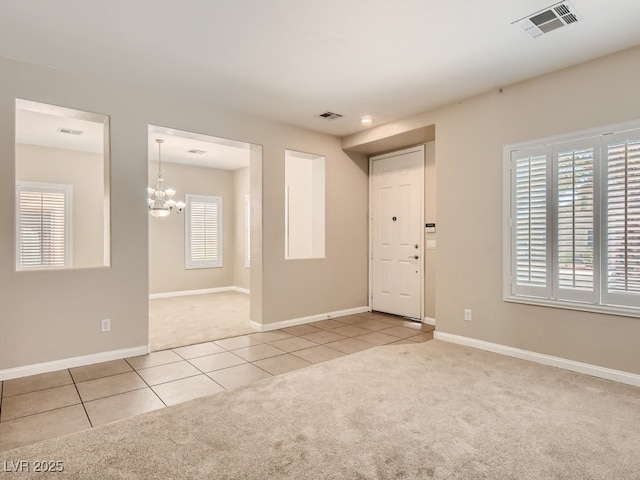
(397,183)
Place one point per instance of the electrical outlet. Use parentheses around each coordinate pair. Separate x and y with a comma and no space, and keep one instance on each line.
(105,325)
(467,315)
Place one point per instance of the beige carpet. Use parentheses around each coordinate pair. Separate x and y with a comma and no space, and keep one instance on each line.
(180,321)
(421,411)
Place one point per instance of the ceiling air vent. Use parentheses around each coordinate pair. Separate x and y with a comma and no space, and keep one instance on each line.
(549,19)
(195,151)
(330,115)
(69,131)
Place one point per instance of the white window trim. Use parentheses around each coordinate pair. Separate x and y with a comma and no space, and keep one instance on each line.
(67,190)
(531,299)
(189,263)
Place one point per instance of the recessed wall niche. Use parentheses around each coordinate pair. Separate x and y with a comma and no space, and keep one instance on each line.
(61,187)
(304,205)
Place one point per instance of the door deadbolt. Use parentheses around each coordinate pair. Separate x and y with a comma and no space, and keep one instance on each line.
(394,218)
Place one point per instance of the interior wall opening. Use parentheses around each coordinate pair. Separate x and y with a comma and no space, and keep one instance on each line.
(61,187)
(200,249)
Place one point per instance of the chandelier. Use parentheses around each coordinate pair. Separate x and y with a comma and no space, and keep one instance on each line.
(160,200)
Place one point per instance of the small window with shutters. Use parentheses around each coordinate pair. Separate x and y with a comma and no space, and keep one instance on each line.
(572,221)
(43,226)
(203,231)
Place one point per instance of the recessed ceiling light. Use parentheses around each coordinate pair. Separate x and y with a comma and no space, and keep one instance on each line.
(69,131)
(195,151)
(366,120)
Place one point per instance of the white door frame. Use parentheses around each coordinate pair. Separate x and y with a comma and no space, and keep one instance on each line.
(417,148)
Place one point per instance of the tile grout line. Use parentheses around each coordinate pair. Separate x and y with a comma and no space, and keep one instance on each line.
(201,373)
(40,413)
(319,345)
(145,382)
(247,362)
(113,394)
(258,366)
(75,385)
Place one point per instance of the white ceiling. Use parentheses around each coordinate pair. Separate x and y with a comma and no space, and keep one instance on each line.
(291,60)
(218,152)
(39,124)
(38,128)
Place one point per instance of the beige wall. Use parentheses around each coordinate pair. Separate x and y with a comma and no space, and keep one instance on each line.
(241,186)
(166,235)
(84,172)
(299,288)
(469,139)
(48,316)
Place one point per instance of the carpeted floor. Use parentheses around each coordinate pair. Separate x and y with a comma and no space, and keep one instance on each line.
(422,411)
(179,321)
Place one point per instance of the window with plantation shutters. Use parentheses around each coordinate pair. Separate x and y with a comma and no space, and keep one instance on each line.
(530,227)
(203,231)
(572,221)
(622,217)
(43,226)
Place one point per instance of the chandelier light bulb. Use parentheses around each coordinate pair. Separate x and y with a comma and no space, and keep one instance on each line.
(159,199)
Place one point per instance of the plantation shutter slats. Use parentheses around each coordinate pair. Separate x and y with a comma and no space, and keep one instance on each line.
(623,218)
(42,225)
(530,220)
(203,231)
(575,221)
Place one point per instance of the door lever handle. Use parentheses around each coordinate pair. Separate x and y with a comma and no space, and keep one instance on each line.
(415,257)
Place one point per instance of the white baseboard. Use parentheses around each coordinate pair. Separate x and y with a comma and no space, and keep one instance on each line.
(184,293)
(585,368)
(313,318)
(429,320)
(65,363)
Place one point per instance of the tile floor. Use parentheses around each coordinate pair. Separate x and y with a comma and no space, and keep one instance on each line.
(57,403)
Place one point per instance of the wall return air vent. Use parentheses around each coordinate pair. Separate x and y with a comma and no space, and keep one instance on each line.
(549,19)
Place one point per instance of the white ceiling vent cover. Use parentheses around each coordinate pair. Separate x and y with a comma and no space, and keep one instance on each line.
(70,131)
(549,19)
(330,115)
